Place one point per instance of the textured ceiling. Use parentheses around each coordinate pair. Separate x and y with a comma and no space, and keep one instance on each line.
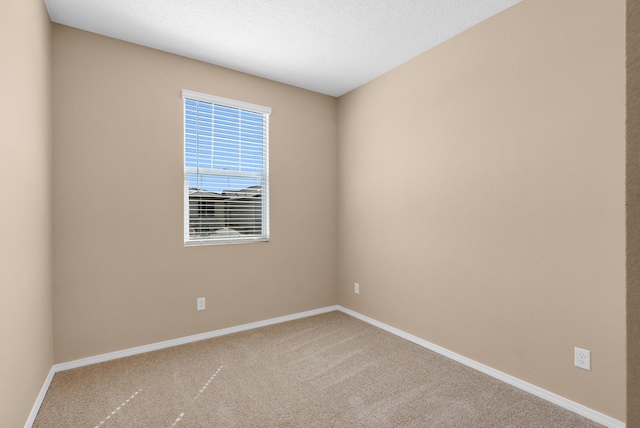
(327,46)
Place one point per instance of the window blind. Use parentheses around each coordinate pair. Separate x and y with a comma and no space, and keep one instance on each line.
(226,170)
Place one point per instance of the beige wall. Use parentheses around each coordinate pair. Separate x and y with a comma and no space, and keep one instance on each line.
(122,276)
(633,213)
(26,349)
(481,197)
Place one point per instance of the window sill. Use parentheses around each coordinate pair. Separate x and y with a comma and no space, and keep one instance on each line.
(206,242)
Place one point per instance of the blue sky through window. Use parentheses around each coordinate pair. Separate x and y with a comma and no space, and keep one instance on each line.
(219,141)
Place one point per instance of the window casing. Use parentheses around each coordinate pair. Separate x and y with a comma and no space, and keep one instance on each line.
(226,170)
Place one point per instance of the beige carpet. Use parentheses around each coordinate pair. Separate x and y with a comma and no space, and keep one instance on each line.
(330,370)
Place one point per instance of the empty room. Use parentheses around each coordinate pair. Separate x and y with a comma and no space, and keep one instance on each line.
(336,213)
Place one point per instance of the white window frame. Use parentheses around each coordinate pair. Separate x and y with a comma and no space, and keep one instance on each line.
(189,238)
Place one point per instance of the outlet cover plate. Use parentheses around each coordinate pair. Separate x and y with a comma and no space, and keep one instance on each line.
(582,358)
(200,304)
(356,288)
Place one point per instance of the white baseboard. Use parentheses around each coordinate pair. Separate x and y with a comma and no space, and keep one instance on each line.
(511,380)
(525,386)
(187,339)
(39,399)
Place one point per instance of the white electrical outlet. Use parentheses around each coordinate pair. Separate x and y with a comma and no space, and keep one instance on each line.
(356,288)
(582,358)
(200,305)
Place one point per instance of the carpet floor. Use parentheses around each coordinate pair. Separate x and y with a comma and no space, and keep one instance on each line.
(330,370)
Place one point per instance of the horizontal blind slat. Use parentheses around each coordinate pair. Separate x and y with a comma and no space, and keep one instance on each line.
(226,167)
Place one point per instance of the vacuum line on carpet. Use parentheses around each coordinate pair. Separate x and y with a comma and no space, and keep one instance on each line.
(207,384)
(113,413)
(178,419)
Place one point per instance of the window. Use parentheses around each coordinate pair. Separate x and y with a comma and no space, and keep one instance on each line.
(226,170)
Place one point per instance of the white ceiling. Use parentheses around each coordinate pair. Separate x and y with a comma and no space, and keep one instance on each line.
(327,46)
